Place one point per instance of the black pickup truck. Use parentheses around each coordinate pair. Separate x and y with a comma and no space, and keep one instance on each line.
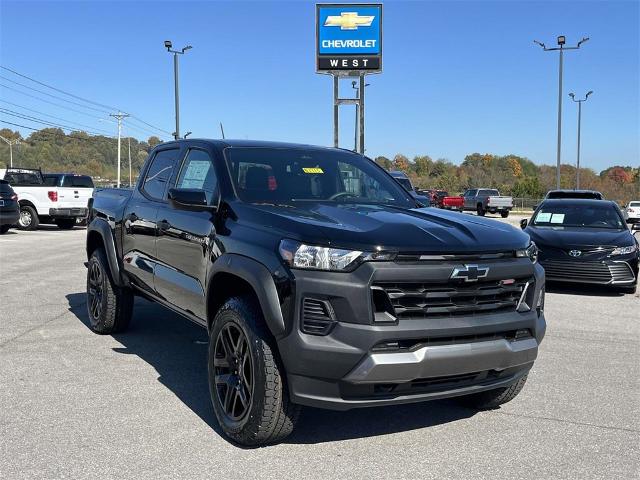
(319,279)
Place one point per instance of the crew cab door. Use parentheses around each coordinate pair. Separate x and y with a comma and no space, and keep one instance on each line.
(186,238)
(470,199)
(140,215)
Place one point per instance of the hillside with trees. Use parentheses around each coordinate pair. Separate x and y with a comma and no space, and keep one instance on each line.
(54,151)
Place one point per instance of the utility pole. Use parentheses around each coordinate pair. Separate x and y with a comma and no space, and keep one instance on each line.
(11,143)
(579,102)
(561,48)
(129,140)
(119,116)
(169,46)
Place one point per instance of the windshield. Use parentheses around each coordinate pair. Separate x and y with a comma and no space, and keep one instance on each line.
(405,182)
(573,194)
(569,215)
(289,175)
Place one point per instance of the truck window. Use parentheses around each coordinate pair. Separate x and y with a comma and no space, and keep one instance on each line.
(490,192)
(50,181)
(198,172)
(159,173)
(77,181)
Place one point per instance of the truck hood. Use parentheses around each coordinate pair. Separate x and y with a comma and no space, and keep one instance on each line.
(365,227)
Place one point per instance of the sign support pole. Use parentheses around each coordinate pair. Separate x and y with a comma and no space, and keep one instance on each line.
(336,110)
(361,111)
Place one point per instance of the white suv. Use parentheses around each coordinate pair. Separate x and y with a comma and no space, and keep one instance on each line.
(632,212)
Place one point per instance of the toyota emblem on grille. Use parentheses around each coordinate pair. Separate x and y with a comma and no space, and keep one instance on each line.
(470,273)
(575,253)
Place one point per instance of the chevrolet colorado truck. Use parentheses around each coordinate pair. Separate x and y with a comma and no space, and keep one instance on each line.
(320,280)
(483,200)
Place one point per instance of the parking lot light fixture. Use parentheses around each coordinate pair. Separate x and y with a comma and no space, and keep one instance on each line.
(169,46)
(579,102)
(561,48)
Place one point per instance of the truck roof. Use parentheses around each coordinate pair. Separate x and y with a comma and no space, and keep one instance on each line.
(252,143)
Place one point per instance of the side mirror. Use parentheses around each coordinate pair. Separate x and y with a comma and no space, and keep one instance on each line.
(523,223)
(189,199)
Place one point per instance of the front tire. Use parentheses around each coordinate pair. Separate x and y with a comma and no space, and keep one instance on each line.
(28,219)
(108,306)
(493,398)
(246,379)
(480,210)
(66,223)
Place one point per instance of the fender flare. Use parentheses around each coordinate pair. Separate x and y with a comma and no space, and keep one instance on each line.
(260,279)
(102,228)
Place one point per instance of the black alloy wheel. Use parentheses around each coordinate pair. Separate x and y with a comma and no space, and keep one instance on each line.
(95,290)
(233,372)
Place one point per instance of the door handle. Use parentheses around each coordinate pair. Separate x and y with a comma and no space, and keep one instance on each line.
(164,225)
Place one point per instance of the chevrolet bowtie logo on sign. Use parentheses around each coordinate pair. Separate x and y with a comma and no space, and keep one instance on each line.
(349,38)
(348,21)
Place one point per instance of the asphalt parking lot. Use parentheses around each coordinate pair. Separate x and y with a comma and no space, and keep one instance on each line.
(136,405)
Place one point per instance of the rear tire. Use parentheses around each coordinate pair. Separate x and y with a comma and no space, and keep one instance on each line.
(504,213)
(108,306)
(493,398)
(480,210)
(66,223)
(28,218)
(247,382)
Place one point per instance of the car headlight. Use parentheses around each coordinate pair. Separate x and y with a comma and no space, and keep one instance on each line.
(625,250)
(300,255)
(531,251)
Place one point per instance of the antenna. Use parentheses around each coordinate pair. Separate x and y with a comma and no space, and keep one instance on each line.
(222,130)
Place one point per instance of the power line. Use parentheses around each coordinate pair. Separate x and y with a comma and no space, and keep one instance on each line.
(44,122)
(57,89)
(42,132)
(54,96)
(133,117)
(52,116)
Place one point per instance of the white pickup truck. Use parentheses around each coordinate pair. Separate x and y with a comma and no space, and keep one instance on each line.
(483,200)
(58,198)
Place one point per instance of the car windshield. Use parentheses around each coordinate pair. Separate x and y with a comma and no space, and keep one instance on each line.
(634,204)
(289,175)
(576,215)
(404,182)
(562,194)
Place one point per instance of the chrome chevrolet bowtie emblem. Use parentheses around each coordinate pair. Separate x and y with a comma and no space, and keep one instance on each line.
(575,253)
(470,273)
(349,21)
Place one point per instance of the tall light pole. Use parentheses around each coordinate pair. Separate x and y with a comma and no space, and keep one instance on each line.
(129,141)
(11,143)
(579,102)
(169,46)
(119,116)
(354,84)
(561,48)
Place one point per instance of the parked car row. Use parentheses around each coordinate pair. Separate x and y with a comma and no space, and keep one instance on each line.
(58,198)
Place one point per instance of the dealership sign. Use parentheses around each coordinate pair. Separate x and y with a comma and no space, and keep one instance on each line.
(349,38)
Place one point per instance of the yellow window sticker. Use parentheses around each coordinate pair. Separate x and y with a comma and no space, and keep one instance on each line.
(312,170)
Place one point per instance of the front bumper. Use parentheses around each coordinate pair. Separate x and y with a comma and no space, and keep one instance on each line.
(67,212)
(436,357)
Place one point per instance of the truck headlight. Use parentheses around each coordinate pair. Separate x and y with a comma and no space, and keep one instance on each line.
(625,250)
(300,255)
(531,251)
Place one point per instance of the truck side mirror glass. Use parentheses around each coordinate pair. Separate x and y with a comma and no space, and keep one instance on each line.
(523,223)
(189,199)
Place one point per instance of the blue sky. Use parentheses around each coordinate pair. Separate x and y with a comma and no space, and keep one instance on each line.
(459,77)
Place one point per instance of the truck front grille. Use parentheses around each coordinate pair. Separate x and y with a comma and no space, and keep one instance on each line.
(423,300)
(318,317)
